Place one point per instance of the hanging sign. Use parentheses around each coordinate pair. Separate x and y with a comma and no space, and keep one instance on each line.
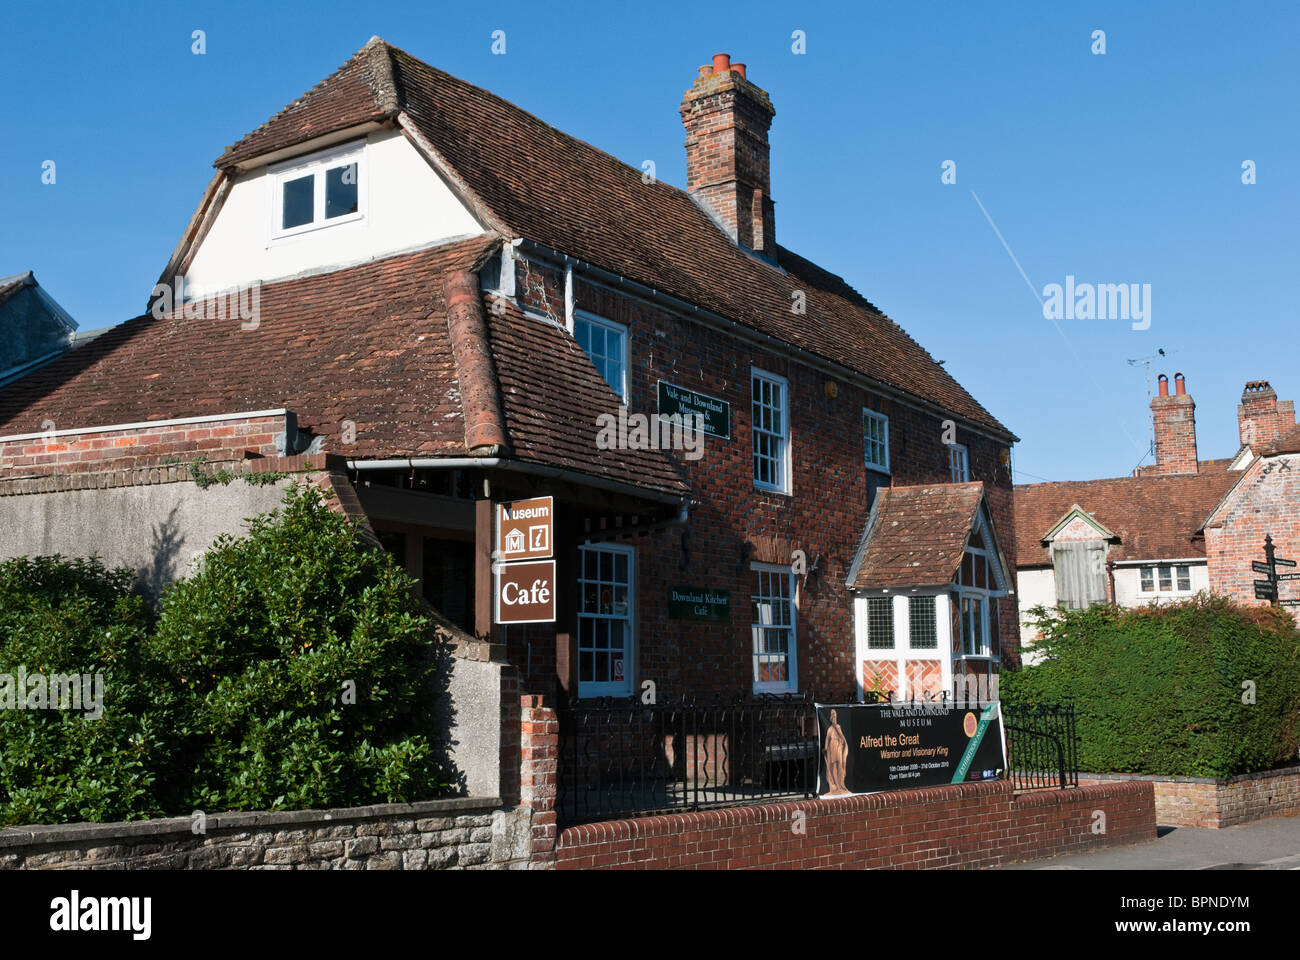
(524,529)
(526,592)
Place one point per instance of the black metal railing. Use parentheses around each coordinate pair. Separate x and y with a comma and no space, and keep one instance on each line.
(1042,747)
(624,758)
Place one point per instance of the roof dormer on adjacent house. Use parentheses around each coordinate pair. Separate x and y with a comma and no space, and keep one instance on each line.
(33,328)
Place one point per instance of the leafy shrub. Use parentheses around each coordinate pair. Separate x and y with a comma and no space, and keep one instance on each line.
(293,669)
(60,617)
(1166,690)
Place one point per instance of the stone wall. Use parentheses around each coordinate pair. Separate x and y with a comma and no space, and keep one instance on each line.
(1216,803)
(455,834)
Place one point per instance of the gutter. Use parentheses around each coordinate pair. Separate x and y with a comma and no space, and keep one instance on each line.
(680,306)
(516,466)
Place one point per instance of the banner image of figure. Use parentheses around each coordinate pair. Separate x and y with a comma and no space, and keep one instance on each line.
(835,751)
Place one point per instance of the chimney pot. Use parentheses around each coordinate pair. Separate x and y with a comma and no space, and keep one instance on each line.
(1261,417)
(1173,421)
(706,70)
(728,164)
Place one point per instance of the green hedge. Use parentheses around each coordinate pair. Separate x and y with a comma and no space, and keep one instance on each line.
(293,669)
(1167,690)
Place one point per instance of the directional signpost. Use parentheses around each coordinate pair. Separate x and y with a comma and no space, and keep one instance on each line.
(1267,589)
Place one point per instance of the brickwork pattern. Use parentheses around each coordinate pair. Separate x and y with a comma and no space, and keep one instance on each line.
(965,825)
(216,440)
(734,523)
(539,774)
(1214,803)
(1265,502)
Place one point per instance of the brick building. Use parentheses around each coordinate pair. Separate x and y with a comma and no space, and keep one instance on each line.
(1176,527)
(438,300)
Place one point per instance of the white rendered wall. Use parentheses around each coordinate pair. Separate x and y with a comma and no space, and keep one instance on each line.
(1128,586)
(408,206)
(1033,587)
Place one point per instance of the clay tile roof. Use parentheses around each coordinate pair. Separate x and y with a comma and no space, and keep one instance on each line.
(1155,517)
(1289,442)
(551,408)
(360,90)
(369,345)
(567,195)
(916,536)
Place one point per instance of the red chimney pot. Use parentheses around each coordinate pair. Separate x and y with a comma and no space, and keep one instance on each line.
(1164,385)
(1180,385)
(739,68)
(721,62)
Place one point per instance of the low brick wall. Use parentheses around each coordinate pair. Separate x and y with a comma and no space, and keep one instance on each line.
(1216,803)
(965,825)
(473,833)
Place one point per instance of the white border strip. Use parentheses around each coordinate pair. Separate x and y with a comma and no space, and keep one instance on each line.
(146,423)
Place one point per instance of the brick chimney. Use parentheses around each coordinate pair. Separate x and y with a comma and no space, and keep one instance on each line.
(1261,419)
(727,119)
(1174,419)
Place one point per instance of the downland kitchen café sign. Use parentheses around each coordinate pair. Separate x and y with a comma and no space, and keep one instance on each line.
(867,748)
(699,603)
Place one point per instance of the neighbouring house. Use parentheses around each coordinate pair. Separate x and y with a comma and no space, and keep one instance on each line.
(434,302)
(1177,527)
(34,329)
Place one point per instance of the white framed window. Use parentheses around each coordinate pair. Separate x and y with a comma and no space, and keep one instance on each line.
(880,623)
(772,624)
(771,428)
(922,623)
(1169,578)
(975,582)
(959,461)
(975,625)
(606,343)
(606,615)
(875,440)
(319,190)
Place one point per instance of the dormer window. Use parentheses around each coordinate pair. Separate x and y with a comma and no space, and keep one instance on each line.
(319,190)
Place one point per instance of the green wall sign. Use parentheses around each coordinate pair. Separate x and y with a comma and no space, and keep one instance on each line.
(682,400)
(699,603)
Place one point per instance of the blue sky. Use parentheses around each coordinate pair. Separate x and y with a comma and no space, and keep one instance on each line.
(1117,168)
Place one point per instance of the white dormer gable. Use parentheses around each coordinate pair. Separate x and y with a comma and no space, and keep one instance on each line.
(324,209)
